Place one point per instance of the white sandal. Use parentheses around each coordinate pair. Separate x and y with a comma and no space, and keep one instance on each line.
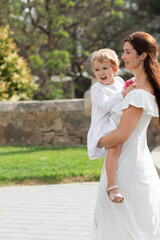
(113,196)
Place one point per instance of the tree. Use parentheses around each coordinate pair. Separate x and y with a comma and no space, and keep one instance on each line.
(57,36)
(62,28)
(15,78)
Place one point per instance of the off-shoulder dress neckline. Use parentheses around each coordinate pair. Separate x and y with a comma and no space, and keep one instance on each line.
(144,91)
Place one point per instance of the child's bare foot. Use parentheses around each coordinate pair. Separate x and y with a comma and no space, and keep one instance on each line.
(114,194)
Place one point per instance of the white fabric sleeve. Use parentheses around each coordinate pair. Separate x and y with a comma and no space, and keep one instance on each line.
(139,98)
(106,103)
(119,79)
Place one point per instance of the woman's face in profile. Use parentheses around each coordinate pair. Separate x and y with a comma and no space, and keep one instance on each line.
(130,57)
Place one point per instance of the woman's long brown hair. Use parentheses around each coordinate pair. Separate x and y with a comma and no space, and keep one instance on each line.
(144,42)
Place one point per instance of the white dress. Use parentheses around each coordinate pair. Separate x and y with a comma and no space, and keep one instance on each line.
(138,218)
(103,98)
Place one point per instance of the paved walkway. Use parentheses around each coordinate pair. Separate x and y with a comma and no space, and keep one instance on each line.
(47,212)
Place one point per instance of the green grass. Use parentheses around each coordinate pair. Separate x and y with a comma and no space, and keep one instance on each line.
(39,164)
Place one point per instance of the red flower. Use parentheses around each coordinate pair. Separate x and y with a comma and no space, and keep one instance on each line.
(127,83)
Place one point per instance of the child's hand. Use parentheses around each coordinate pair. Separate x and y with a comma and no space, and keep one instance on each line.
(129,86)
(128,83)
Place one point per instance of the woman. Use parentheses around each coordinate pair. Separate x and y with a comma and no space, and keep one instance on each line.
(138,217)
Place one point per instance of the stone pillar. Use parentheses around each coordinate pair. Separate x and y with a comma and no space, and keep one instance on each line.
(87,98)
(153,134)
(156,158)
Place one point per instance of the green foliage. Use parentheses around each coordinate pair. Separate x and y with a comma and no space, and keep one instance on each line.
(119,3)
(70,3)
(37,61)
(54,25)
(61,33)
(117,14)
(15,78)
(58,60)
(58,92)
(57,36)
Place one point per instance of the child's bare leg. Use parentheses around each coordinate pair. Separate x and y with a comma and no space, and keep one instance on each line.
(111,167)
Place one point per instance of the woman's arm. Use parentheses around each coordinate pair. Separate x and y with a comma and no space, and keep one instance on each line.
(127,125)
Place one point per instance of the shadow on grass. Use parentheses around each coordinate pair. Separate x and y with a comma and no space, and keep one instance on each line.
(32,149)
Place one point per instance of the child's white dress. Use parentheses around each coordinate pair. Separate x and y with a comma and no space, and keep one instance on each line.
(103,98)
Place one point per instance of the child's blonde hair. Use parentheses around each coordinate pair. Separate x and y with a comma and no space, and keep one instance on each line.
(104,55)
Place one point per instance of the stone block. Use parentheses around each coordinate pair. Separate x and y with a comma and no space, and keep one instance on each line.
(17,136)
(48,137)
(153,133)
(60,140)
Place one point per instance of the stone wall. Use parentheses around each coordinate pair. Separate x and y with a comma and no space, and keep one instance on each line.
(59,122)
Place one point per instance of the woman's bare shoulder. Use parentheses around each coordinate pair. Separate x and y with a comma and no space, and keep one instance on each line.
(146,89)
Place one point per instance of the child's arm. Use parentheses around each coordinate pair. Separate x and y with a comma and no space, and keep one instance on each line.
(106,103)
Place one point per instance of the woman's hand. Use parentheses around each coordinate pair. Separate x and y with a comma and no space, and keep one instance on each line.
(128,89)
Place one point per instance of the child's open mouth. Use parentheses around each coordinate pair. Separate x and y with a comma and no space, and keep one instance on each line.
(103,78)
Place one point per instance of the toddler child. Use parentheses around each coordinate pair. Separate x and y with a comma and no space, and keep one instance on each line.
(105,94)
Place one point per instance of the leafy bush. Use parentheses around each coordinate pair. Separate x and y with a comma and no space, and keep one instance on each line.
(16,81)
